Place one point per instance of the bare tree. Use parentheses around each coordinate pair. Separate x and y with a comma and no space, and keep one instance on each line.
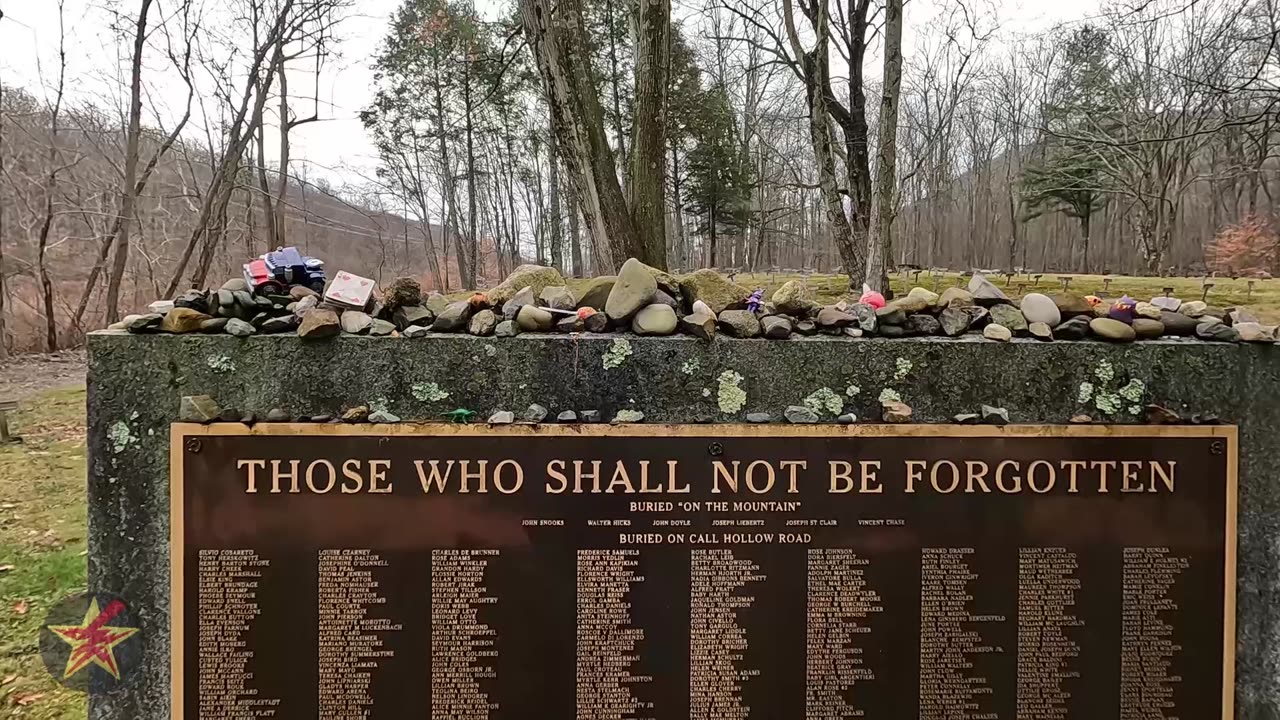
(880,247)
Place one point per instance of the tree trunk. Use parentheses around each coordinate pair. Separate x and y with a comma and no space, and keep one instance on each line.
(4,290)
(880,254)
(282,173)
(1085,221)
(682,239)
(575,236)
(469,280)
(648,144)
(561,52)
(128,192)
(556,224)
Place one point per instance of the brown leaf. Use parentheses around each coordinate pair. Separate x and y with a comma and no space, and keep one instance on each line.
(8,679)
(5,568)
(26,699)
(20,607)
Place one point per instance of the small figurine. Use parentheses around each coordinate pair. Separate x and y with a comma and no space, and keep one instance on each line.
(871,297)
(586,312)
(756,301)
(275,272)
(461,416)
(1093,300)
(1123,309)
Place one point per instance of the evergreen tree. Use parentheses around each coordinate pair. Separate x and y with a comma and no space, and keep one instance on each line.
(1068,176)
(719,187)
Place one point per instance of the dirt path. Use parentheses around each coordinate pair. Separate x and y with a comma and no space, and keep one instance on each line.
(26,375)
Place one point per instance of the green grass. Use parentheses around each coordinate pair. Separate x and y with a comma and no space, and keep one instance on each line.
(42,547)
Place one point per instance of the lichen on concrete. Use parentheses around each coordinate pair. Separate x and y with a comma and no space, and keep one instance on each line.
(824,399)
(618,353)
(221,364)
(902,368)
(731,398)
(429,392)
(120,436)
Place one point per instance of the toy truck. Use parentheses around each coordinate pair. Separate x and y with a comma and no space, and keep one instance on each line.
(276,272)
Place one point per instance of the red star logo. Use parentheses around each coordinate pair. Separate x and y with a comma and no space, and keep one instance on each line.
(93,642)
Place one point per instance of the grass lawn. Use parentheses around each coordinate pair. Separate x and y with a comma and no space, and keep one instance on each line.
(42,547)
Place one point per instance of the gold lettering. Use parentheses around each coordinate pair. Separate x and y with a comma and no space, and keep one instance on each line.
(1102,466)
(1017,477)
(869,468)
(620,477)
(1166,478)
(1129,472)
(437,481)
(351,473)
(719,469)
(977,473)
(481,476)
(672,468)
(792,466)
(644,479)
(1074,466)
(378,473)
(497,477)
(915,473)
(1053,477)
(955,476)
(554,472)
(841,476)
(251,482)
(332,472)
(751,483)
(291,476)
(579,476)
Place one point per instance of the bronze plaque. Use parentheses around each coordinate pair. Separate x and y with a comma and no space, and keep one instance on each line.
(703,572)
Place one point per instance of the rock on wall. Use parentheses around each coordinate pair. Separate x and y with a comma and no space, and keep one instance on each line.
(136,382)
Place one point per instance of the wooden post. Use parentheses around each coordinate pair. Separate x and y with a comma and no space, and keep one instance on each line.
(5,407)
(1106,285)
(1168,292)
(1249,293)
(1036,278)
(1204,295)
(1066,282)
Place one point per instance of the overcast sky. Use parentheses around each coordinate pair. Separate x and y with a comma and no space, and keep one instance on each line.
(29,44)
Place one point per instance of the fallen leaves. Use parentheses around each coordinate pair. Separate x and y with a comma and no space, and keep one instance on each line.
(26,699)
(21,607)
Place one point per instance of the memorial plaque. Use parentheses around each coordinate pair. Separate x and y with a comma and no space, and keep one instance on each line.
(703,572)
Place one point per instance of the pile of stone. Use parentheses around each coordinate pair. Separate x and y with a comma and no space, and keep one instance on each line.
(648,301)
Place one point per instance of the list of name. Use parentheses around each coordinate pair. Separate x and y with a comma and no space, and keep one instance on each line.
(352,639)
(228,608)
(951,688)
(1148,651)
(607,641)
(464,648)
(1047,587)
(840,606)
(717,641)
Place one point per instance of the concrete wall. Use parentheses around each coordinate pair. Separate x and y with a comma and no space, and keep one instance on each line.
(136,382)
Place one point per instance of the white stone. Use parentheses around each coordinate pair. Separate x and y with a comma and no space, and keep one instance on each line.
(1037,307)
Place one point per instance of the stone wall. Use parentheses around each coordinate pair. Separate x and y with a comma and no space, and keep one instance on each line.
(136,382)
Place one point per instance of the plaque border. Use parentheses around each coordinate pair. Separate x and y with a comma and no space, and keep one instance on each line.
(179,433)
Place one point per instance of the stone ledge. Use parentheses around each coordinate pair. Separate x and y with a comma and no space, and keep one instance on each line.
(136,381)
